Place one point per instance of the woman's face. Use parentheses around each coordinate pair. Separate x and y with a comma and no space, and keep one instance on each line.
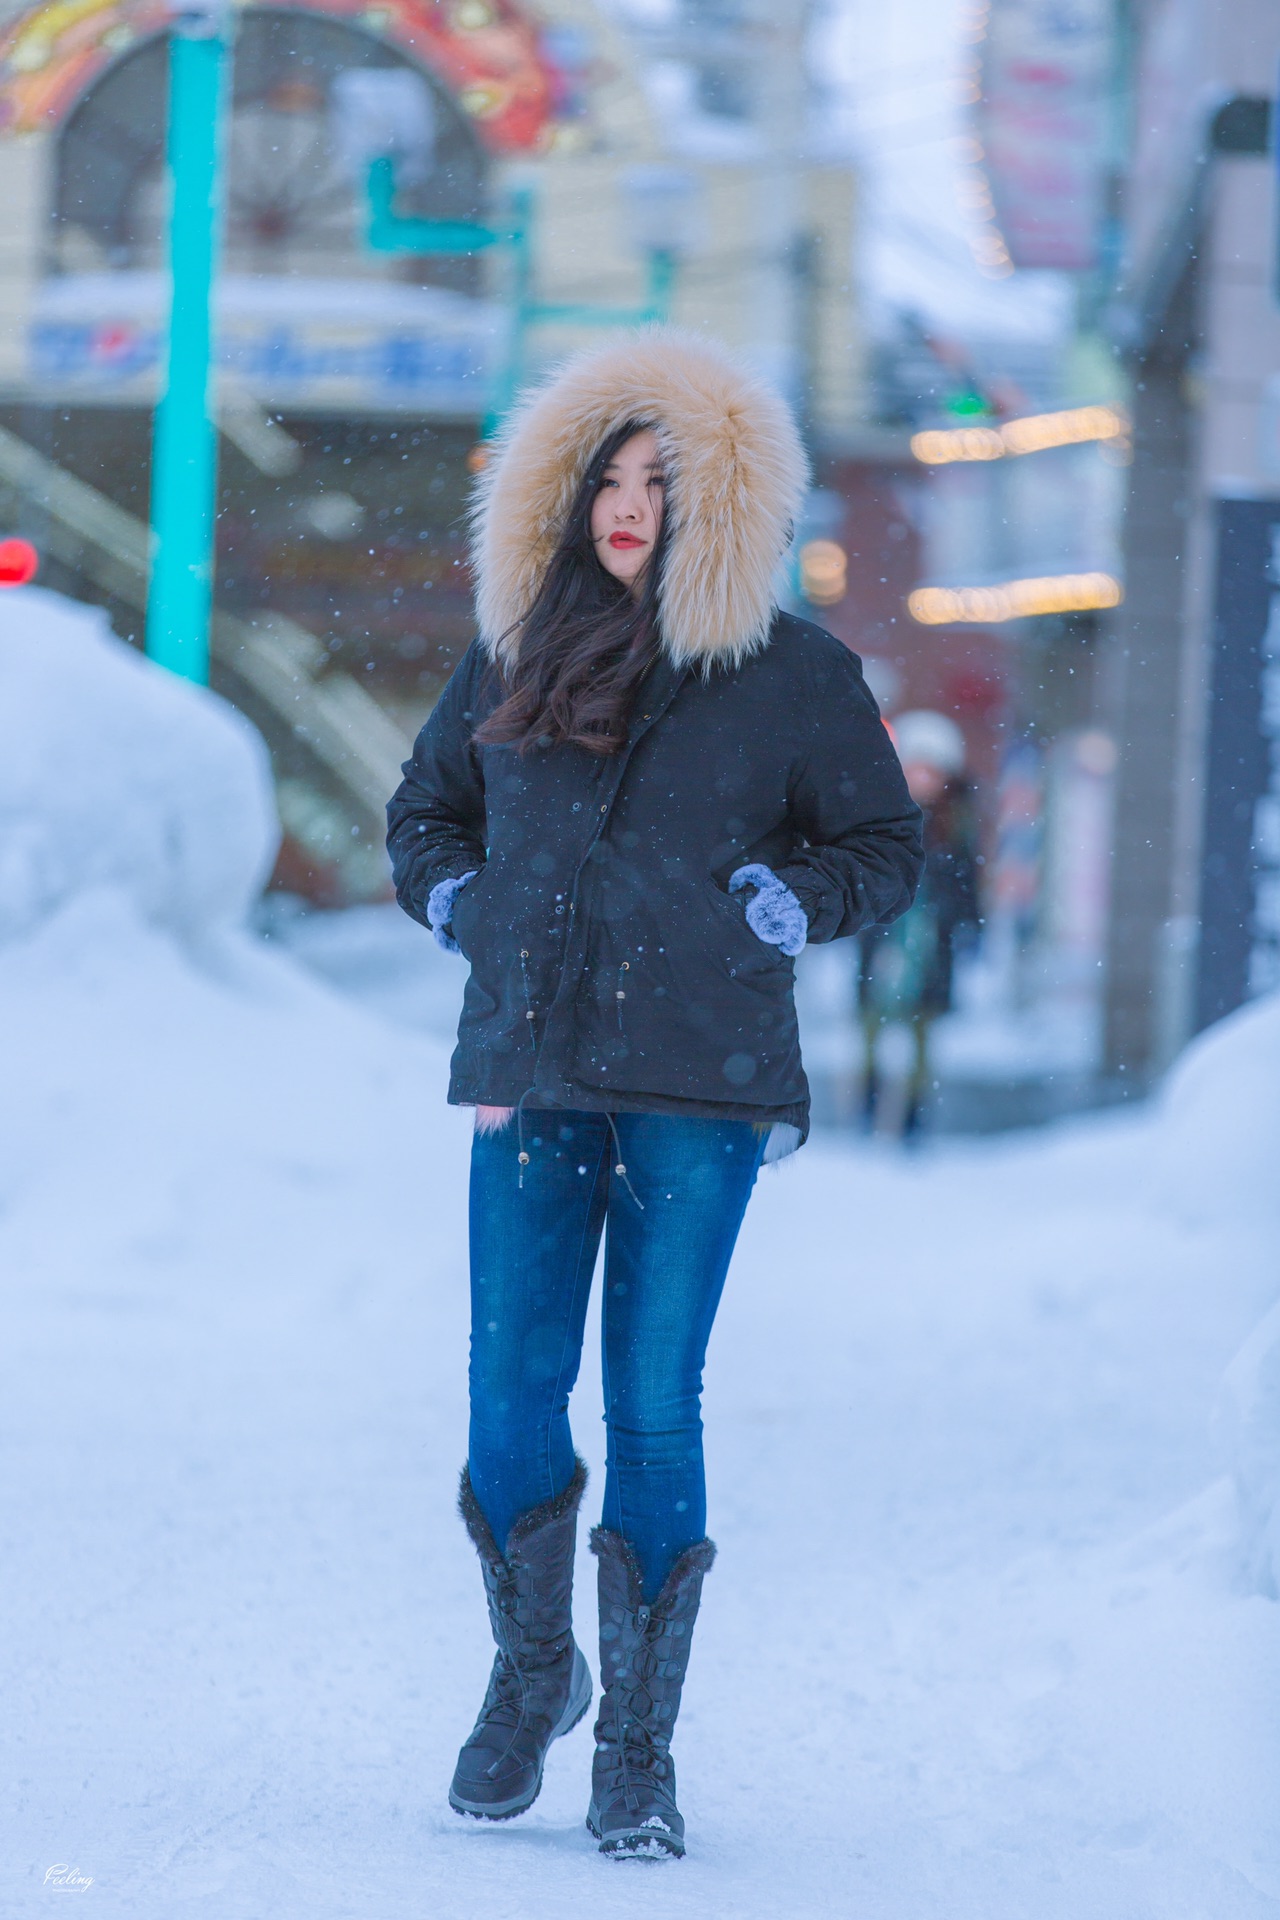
(626,514)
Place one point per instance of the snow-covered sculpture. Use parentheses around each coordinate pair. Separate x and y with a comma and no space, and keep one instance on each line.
(116,775)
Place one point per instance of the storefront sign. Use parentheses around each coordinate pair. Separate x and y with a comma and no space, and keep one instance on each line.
(1045,85)
(291,342)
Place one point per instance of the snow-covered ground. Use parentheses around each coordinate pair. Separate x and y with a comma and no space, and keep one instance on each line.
(994,1630)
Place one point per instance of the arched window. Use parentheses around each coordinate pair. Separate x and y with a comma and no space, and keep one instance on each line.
(294,192)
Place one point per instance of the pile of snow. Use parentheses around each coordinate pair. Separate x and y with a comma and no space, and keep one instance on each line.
(958,1428)
(1218,1166)
(1250,1415)
(1219,1121)
(116,775)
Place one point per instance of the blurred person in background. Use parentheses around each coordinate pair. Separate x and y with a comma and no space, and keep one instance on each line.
(641,794)
(906,970)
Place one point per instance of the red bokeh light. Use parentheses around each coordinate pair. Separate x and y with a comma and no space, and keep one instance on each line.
(19,562)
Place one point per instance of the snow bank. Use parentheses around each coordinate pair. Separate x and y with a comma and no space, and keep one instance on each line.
(1249,1415)
(1217,1166)
(114,774)
(1219,1122)
(244,1631)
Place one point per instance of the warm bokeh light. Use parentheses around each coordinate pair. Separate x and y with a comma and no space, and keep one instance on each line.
(939,446)
(1014,599)
(824,572)
(1034,433)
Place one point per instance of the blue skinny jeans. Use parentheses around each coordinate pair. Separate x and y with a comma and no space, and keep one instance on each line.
(672,1224)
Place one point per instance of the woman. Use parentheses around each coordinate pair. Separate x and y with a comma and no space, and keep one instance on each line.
(641,793)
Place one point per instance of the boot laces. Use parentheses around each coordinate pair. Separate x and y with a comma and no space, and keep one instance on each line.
(510,1684)
(640,1753)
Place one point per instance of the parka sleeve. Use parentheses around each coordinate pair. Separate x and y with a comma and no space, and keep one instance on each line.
(864,854)
(436,816)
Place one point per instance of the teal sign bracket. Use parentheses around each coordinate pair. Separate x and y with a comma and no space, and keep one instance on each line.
(392,232)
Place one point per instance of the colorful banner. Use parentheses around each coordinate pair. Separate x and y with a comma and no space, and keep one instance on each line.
(1046,77)
(487,53)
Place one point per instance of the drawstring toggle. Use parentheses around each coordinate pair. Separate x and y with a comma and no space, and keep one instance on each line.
(619,1166)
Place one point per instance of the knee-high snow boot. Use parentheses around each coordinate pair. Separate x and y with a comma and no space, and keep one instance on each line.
(644,1655)
(540,1685)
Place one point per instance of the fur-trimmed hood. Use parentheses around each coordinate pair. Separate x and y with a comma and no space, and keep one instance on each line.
(737,476)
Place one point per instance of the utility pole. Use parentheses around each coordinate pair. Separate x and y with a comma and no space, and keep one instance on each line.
(184,458)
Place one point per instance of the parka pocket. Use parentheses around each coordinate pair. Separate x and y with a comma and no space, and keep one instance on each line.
(679,996)
(463,921)
(734,907)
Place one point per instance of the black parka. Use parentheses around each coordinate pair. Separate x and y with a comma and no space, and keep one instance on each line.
(610,967)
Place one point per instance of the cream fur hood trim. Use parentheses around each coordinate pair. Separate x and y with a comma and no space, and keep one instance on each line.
(737,477)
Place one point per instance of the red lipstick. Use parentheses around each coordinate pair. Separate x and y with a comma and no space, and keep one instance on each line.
(624,540)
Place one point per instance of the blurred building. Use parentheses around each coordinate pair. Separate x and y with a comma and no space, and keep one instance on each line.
(354,383)
(987,552)
(350,382)
(1195,701)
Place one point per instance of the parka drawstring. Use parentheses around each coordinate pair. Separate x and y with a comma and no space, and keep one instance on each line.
(531,1020)
(619,1167)
(522,1158)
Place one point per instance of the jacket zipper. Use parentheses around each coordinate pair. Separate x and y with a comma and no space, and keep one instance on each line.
(531,1019)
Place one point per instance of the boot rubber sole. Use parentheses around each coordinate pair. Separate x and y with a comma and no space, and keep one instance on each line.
(575,1707)
(636,1843)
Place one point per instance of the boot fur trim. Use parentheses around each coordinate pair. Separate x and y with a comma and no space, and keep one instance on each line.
(567,1501)
(695,1559)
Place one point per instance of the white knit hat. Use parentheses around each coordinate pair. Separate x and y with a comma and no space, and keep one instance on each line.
(923,736)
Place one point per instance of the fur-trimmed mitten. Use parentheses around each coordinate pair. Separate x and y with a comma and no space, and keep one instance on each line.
(774,914)
(440,905)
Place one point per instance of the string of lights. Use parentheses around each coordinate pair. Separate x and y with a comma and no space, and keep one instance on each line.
(1073,426)
(1014,599)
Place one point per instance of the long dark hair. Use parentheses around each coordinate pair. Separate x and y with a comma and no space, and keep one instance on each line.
(586,643)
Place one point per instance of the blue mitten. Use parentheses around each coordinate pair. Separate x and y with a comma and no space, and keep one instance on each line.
(774,914)
(440,902)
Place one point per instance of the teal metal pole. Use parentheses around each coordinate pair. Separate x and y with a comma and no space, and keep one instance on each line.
(519,307)
(184,455)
